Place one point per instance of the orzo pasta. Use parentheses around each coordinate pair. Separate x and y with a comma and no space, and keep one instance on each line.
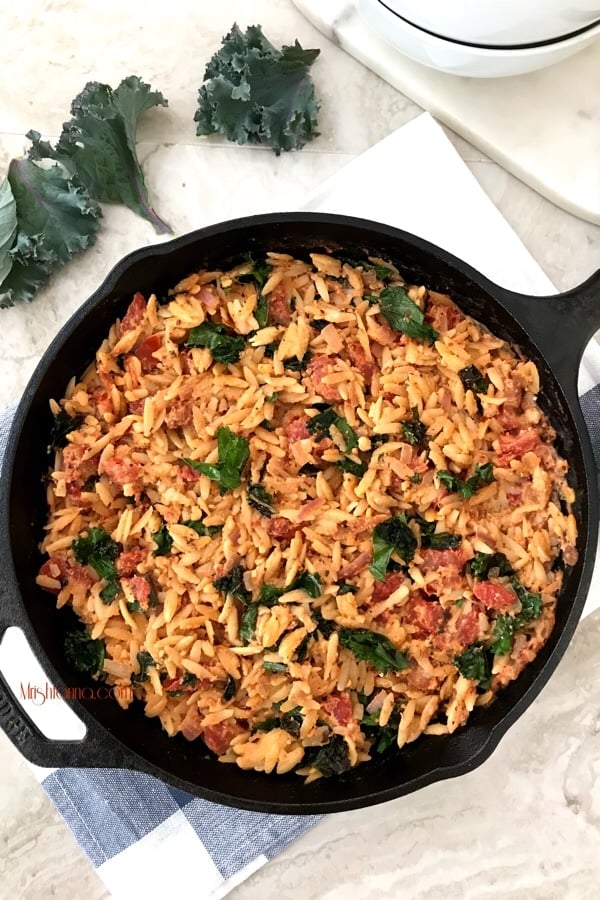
(307,511)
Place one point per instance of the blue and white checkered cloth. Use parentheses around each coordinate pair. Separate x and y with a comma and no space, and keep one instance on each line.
(144,837)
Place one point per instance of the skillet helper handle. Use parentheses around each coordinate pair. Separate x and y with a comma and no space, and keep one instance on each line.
(561,325)
(96,750)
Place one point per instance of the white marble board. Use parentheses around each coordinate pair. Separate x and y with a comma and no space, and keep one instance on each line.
(544,127)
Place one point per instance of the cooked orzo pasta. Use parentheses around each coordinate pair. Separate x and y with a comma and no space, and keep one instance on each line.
(306,511)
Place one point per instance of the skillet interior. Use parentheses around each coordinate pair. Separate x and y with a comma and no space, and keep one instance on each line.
(143,744)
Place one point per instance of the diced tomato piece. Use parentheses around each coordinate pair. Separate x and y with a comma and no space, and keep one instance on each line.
(135,313)
(281,529)
(187,474)
(359,359)
(297,429)
(75,467)
(434,560)
(494,596)
(62,569)
(339,707)
(383,589)
(136,406)
(513,446)
(145,352)
(218,737)
(191,727)
(121,471)
(318,367)
(467,627)
(180,413)
(129,560)
(279,306)
(426,615)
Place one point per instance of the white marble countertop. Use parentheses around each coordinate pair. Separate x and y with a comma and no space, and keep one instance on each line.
(527,823)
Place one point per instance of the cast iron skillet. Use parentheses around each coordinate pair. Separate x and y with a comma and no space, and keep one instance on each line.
(552,331)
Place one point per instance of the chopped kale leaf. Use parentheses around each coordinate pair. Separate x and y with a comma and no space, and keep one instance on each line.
(261,500)
(393,535)
(230,689)
(83,653)
(481,564)
(481,476)
(373,648)
(473,380)
(62,426)
(403,315)
(474,663)
(225,345)
(163,541)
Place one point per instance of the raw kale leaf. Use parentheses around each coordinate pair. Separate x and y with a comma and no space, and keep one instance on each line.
(481,476)
(98,144)
(332,759)
(56,218)
(145,661)
(225,345)
(474,663)
(392,535)
(481,564)
(201,529)
(254,93)
(163,541)
(373,648)
(413,431)
(63,424)
(403,315)
(473,380)
(260,499)
(8,227)
(234,451)
(83,653)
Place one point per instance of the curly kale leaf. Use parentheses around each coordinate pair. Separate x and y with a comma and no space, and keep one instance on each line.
(8,227)
(56,218)
(254,93)
(98,144)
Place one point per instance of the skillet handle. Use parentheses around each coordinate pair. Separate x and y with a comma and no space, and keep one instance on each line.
(562,325)
(97,749)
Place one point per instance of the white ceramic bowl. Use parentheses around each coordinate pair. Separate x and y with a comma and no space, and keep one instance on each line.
(499,22)
(465,59)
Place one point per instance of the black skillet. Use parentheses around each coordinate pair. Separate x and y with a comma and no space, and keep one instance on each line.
(552,331)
